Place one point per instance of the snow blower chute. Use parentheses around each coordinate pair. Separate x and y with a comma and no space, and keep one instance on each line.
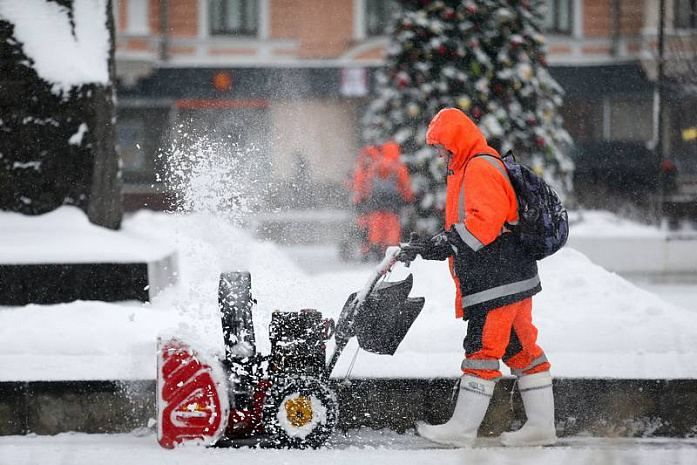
(285,398)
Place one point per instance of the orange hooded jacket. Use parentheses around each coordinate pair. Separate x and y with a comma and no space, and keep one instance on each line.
(480,199)
(368,156)
(390,164)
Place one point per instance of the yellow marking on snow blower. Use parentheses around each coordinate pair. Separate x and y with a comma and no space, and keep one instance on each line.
(299,411)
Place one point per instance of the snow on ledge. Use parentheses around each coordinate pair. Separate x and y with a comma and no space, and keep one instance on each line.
(65,235)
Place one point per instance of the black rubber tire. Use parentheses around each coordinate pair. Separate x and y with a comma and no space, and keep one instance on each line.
(313,433)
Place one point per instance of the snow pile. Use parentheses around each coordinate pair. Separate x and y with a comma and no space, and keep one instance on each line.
(62,55)
(592,323)
(603,224)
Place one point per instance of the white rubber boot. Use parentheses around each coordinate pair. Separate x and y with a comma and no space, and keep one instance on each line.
(538,399)
(461,430)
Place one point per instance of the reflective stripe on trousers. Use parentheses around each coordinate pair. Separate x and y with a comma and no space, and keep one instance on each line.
(500,291)
(480,364)
(538,361)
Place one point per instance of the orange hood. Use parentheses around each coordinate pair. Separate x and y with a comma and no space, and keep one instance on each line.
(371,152)
(452,129)
(390,150)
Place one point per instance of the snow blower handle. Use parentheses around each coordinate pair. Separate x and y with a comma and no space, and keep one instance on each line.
(344,325)
(385,266)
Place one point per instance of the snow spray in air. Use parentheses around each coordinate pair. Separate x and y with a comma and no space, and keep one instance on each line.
(215,176)
(215,186)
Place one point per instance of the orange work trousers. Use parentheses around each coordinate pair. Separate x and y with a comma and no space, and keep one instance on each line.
(504,333)
(384,228)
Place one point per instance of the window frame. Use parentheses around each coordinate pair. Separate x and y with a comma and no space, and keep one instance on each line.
(556,28)
(691,22)
(367,32)
(243,32)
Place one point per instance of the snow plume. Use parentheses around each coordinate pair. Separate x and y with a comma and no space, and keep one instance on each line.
(217,185)
(214,176)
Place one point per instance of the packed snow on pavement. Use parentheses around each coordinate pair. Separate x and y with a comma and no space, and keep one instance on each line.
(369,447)
(592,323)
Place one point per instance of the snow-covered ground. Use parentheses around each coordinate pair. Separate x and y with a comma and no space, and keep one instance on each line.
(368,447)
(592,323)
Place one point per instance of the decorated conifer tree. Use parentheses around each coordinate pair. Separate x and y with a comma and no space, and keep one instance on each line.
(485,57)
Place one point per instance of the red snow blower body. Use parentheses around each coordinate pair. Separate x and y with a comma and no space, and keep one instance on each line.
(284,399)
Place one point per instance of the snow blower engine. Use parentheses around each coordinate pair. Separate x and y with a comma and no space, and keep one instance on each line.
(286,398)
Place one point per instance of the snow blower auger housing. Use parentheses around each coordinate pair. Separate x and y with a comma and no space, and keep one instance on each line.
(284,399)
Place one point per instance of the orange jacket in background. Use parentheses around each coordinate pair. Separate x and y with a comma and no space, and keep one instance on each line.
(360,185)
(390,165)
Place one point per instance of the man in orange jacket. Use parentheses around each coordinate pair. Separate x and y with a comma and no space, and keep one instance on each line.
(368,156)
(495,280)
(388,189)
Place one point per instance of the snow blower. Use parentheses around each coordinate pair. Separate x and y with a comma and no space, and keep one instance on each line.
(286,398)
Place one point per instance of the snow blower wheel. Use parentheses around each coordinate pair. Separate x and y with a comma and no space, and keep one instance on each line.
(300,412)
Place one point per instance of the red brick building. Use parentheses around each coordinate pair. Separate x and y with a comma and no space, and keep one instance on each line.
(293,76)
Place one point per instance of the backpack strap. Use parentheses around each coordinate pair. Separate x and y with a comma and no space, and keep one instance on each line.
(492,160)
(499,166)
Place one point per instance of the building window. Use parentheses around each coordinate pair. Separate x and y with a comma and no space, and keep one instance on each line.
(378,14)
(558,17)
(234,17)
(137,17)
(685,14)
(130,139)
(631,118)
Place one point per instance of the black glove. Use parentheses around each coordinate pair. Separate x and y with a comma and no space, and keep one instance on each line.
(410,250)
(439,247)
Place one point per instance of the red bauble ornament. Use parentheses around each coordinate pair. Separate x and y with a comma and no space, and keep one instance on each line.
(540,141)
(442,49)
(476,112)
(448,14)
(402,81)
(516,41)
(471,8)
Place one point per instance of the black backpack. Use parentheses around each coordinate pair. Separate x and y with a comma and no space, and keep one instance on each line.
(385,193)
(543,223)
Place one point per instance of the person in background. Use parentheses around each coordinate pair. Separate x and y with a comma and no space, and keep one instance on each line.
(367,157)
(495,279)
(388,189)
